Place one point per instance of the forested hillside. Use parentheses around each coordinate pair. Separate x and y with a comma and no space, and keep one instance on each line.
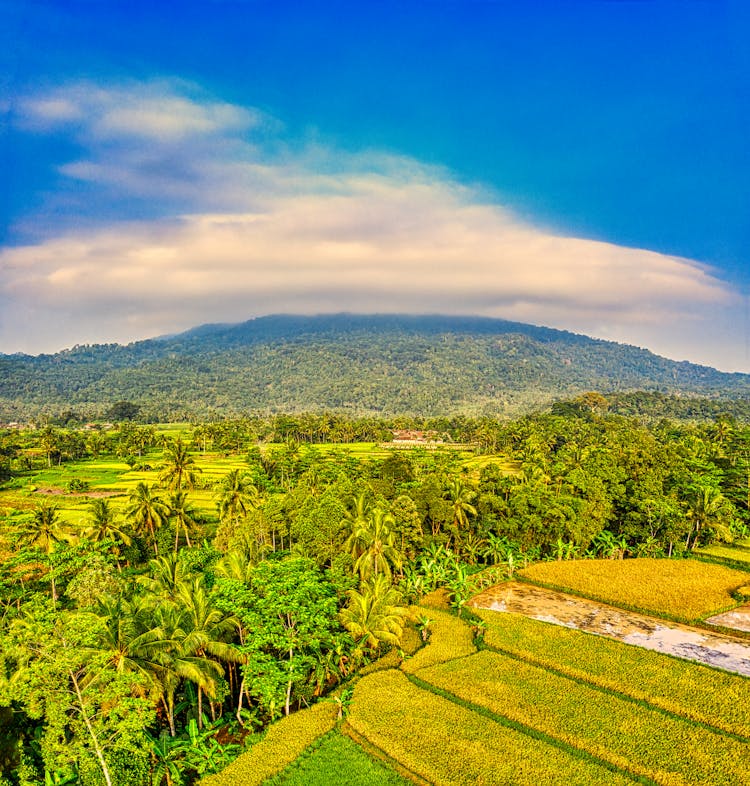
(380,365)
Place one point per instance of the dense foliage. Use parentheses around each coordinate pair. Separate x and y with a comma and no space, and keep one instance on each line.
(384,365)
(209,580)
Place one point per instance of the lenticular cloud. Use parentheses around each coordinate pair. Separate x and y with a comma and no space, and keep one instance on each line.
(245,226)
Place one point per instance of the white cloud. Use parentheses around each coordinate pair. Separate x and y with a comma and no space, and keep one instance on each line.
(162,110)
(317,230)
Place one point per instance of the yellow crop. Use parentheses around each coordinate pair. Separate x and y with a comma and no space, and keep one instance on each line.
(284,742)
(708,695)
(450,638)
(638,739)
(448,744)
(685,589)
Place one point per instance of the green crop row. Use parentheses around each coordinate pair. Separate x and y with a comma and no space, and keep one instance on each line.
(337,759)
(643,741)
(283,743)
(697,692)
(450,638)
(686,590)
(448,744)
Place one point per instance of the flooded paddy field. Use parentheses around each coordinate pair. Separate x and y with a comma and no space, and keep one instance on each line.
(682,641)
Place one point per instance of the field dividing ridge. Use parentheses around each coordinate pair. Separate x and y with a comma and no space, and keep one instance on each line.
(449,745)
(635,738)
(719,699)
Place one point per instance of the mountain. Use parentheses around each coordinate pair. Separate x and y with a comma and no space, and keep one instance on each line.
(426,365)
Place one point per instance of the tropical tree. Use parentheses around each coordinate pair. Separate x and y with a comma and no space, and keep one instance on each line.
(237,495)
(176,659)
(374,614)
(179,468)
(372,544)
(460,496)
(147,511)
(287,614)
(708,510)
(90,714)
(182,514)
(103,525)
(43,531)
(210,630)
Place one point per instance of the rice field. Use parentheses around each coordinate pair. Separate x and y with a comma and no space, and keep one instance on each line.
(706,695)
(634,737)
(337,759)
(685,590)
(445,743)
(735,553)
(536,704)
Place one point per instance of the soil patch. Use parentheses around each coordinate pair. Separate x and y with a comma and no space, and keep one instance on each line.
(682,641)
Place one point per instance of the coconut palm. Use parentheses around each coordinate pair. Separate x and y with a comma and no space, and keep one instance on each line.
(179,468)
(237,495)
(361,506)
(129,637)
(708,509)
(176,660)
(460,497)
(43,531)
(373,615)
(372,544)
(103,525)
(234,565)
(147,511)
(182,514)
(209,629)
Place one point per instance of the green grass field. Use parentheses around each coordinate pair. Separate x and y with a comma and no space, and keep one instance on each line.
(114,478)
(334,760)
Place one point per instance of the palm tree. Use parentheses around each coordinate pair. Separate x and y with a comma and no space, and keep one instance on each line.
(176,659)
(236,496)
(708,508)
(235,565)
(179,466)
(374,615)
(103,525)
(166,572)
(459,497)
(209,629)
(129,637)
(182,514)
(147,511)
(361,505)
(372,544)
(43,531)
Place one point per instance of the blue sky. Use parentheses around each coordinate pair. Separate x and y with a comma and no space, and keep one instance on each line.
(576,164)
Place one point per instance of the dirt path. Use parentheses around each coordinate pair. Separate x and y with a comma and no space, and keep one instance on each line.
(682,641)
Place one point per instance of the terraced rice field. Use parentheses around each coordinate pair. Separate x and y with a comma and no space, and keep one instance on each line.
(684,590)
(537,705)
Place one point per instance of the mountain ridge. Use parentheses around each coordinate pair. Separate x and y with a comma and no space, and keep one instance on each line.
(368,364)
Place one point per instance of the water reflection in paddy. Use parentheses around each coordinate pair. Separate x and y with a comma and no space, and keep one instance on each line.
(682,641)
